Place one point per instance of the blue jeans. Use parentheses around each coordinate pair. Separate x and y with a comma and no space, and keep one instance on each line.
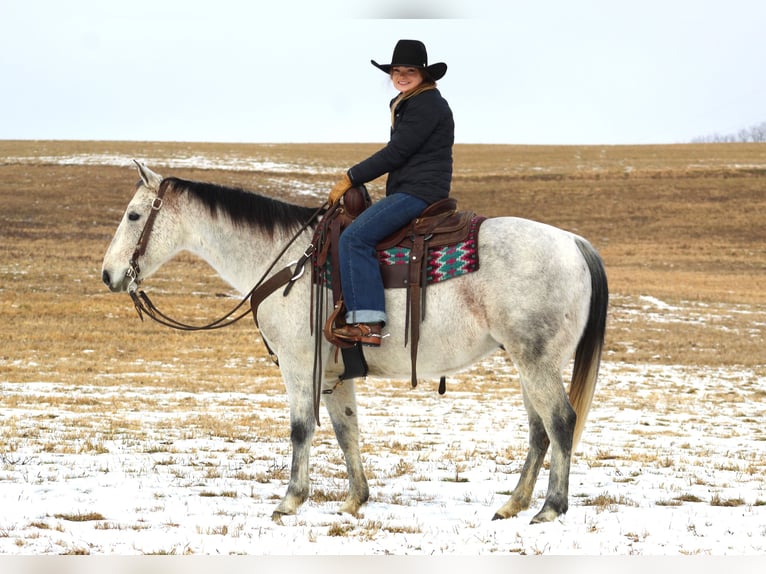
(359,267)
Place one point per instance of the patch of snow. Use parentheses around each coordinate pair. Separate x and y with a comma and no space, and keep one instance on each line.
(196,161)
(656,303)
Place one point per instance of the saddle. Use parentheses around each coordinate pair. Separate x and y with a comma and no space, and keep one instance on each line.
(440,224)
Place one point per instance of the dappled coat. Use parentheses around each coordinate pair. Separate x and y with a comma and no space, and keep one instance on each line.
(418,157)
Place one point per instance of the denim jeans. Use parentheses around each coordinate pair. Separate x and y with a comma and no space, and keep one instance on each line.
(359,267)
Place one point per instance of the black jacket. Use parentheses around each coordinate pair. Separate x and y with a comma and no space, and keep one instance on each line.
(418,158)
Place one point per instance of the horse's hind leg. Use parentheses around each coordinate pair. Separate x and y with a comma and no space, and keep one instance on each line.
(551,422)
(341,405)
(538,445)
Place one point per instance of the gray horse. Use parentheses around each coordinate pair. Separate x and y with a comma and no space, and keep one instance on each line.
(540,294)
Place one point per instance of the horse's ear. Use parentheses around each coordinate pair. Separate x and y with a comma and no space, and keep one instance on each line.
(150,179)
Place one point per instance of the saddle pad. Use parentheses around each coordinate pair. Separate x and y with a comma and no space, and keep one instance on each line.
(446,262)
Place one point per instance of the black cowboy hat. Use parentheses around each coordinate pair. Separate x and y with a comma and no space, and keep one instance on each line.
(412,53)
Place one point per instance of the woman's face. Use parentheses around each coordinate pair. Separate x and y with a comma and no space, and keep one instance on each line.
(406,78)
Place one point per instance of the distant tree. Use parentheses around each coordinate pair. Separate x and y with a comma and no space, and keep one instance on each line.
(755,134)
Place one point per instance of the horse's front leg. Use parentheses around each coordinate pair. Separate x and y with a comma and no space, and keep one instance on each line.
(302,426)
(341,405)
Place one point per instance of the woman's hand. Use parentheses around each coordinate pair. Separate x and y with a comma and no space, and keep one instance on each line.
(339,189)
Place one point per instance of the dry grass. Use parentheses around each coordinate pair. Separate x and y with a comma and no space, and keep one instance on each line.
(80,516)
(680,223)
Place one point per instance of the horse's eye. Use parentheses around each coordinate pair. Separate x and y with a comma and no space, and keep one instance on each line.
(133,216)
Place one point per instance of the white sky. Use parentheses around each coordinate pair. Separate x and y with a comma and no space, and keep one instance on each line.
(520,71)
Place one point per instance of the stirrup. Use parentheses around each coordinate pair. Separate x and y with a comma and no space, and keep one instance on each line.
(368,334)
(333,322)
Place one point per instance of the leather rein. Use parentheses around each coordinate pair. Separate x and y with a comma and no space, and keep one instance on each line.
(262,289)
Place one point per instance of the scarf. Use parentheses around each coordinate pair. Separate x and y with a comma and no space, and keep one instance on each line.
(406,96)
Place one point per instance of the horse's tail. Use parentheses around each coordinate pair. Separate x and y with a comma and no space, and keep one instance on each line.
(588,354)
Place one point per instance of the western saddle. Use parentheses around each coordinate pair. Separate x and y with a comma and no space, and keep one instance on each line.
(439,225)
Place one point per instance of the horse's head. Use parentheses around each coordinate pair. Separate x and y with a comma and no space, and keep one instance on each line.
(138,249)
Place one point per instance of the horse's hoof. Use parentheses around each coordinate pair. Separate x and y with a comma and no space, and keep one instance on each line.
(348,512)
(507,511)
(276,517)
(544,516)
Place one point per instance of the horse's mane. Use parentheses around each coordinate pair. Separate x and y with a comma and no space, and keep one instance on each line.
(244,207)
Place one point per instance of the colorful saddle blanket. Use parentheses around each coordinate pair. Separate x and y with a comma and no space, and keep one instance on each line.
(444,262)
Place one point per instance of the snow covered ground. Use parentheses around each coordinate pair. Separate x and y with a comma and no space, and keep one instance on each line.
(672,463)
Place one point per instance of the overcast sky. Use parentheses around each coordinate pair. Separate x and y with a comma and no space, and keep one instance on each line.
(521,72)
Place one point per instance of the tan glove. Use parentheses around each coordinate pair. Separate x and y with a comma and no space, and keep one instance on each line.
(340,188)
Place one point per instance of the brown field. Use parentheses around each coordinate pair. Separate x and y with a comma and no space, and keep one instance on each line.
(684,224)
(680,228)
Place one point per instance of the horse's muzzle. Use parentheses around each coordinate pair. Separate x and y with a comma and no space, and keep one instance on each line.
(117,287)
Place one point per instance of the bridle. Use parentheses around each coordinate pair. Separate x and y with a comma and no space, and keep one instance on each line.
(262,289)
(143,239)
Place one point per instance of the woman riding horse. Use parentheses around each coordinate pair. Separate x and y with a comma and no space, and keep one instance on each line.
(418,161)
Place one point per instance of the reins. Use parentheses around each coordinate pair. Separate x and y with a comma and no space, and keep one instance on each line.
(262,289)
